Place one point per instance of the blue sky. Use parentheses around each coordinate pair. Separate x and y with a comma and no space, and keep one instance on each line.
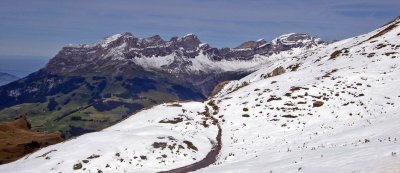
(42,27)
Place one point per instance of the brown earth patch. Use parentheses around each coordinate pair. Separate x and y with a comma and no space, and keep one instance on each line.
(17,139)
(218,88)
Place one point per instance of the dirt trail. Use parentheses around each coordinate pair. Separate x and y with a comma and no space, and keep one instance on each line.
(210,158)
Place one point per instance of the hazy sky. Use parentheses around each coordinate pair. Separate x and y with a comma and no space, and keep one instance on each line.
(21,66)
(42,27)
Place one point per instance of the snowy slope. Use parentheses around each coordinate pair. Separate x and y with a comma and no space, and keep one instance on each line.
(355,130)
(155,139)
(331,109)
(202,63)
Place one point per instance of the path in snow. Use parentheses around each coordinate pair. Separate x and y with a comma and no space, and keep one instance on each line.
(210,158)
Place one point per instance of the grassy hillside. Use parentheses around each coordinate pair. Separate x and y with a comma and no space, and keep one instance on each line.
(80,104)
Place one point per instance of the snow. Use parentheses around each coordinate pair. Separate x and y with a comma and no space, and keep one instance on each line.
(186,36)
(190,34)
(356,131)
(154,62)
(243,49)
(121,145)
(202,45)
(110,39)
(263,45)
(203,63)
(269,123)
(282,37)
(260,40)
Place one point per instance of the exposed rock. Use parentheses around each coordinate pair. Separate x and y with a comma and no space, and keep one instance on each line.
(77,166)
(318,104)
(218,88)
(251,44)
(190,145)
(17,139)
(278,71)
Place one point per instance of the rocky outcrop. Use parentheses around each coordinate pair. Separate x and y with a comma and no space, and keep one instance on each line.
(17,139)
(278,71)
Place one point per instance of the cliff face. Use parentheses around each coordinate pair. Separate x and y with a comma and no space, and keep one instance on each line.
(17,140)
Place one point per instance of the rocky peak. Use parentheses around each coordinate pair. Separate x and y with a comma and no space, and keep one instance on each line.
(155,40)
(251,44)
(281,43)
(298,40)
(117,39)
(187,42)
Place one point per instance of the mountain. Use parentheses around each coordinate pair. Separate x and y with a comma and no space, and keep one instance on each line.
(6,78)
(180,57)
(86,88)
(333,108)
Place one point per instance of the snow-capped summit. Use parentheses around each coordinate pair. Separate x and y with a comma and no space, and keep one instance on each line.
(187,42)
(251,44)
(106,42)
(153,41)
(333,108)
(294,38)
(110,39)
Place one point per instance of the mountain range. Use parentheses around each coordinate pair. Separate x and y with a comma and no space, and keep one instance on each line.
(327,108)
(88,87)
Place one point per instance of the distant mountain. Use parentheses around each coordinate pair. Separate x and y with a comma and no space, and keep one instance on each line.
(332,108)
(6,78)
(20,65)
(180,57)
(86,88)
